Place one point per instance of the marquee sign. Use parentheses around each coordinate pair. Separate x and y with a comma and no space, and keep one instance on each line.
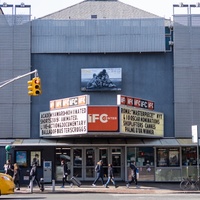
(141,122)
(64,122)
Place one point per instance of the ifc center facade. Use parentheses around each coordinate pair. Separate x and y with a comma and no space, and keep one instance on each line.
(142,108)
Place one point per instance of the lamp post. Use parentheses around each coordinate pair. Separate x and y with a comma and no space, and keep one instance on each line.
(195,139)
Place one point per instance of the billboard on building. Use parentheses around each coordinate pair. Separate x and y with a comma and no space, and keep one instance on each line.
(103,118)
(141,122)
(62,122)
(101,79)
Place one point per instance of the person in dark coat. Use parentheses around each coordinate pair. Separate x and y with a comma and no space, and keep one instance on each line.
(110,176)
(99,171)
(134,175)
(65,174)
(16,176)
(34,174)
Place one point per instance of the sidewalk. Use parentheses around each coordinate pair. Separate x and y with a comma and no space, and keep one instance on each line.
(86,187)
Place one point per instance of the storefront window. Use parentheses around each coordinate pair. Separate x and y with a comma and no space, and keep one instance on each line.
(144,157)
(168,157)
(189,156)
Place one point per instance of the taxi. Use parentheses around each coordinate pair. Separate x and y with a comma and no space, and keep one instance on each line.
(7,185)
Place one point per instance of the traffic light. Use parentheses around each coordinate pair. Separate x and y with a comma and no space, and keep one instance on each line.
(30,88)
(34,87)
(37,86)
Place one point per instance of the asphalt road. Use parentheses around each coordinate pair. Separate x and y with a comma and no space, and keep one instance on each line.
(100,196)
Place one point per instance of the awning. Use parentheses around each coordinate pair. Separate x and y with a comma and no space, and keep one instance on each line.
(6,142)
(166,142)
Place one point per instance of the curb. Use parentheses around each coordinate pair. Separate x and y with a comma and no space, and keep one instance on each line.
(101,189)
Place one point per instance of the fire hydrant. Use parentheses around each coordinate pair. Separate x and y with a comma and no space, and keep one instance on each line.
(42,184)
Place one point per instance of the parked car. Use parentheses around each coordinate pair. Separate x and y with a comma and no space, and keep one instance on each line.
(7,185)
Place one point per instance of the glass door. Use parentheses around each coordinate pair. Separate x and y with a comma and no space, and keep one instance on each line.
(90,163)
(62,154)
(103,155)
(117,162)
(77,162)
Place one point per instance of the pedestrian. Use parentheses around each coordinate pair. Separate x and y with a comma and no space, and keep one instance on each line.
(110,176)
(34,174)
(8,168)
(99,171)
(133,175)
(65,174)
(16,176)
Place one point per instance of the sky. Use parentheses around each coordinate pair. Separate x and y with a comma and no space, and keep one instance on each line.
(40,8)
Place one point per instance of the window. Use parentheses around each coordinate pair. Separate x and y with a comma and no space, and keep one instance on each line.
(189,156)
(168,157)
(93,16)
(142,155)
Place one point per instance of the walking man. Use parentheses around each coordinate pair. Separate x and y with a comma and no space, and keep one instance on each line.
(133,175)
(99,171)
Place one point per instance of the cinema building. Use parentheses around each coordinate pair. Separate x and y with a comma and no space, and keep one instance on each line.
(118,84)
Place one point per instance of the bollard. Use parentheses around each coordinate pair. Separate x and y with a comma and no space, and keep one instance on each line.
(42,184)
(31,186)
(53,185)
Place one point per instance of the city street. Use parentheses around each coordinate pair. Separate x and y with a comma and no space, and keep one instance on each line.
(100,196)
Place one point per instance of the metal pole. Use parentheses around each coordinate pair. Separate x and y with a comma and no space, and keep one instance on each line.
(53,185)
(197,154)
(18,77)
(31,185)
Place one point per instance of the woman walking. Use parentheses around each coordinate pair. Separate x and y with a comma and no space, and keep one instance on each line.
(16,176)
(110,176)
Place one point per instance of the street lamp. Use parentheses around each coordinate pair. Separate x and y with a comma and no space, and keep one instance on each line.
(5,5)
(22,6)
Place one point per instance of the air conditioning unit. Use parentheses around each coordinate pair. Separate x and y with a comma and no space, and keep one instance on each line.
(171,43)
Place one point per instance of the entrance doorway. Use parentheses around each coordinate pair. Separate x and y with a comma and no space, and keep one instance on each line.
(82,161)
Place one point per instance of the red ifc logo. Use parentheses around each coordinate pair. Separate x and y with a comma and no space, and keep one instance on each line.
(92,118)
(102,118)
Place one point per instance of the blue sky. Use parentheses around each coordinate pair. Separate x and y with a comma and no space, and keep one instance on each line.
(162,8)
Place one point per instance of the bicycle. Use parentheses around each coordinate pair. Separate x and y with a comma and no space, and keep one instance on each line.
(190,184)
